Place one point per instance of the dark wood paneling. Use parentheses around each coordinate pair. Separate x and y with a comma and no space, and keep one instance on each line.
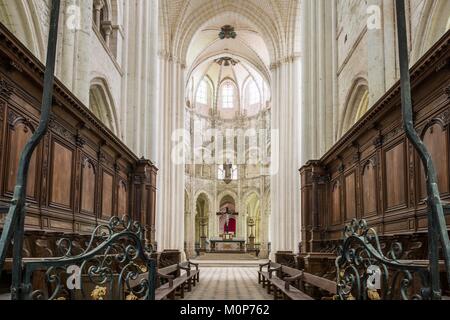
(369,189)
(88,179)
(395,176)
(81,174)
(380,172)
(62,175)
(350,196)
(107,195)
(20,130)
(436,140)
(122,198)
(336,203)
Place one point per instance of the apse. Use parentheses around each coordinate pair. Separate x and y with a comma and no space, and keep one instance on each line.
(228,120)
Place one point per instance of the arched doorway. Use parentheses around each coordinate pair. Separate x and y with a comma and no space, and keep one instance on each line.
(202,208)
(253,219)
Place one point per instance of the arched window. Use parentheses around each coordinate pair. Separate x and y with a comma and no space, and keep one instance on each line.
(253,93)
(202,93)
(227,96)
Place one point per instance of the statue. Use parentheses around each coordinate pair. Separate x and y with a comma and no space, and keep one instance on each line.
(227,214)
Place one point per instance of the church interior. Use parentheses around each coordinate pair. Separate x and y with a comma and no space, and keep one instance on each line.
(224,150)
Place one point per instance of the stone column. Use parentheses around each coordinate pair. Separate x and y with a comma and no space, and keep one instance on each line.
(286,117)
(140,87)
(318,77)
(82,67)
(66,55)
(170,159)
(98,6)
(107,31)
(375,51)
(153,85)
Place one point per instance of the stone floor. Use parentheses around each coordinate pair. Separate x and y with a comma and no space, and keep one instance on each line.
(228,283)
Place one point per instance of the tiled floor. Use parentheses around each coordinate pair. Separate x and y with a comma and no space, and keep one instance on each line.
(228,283)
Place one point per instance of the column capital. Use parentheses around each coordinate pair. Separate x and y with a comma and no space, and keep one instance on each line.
(285,60)
(99,4)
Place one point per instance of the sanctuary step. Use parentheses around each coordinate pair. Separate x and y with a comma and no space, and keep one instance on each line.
(226,256)
(228,260)
(5,296)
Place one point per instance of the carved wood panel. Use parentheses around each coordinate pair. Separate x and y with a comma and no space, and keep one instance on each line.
(107,195)
(336,203)
(369,189)
(62,175)
(395,176)
(122,198)
(436,140)
(20,131)
(350,196)
(88,180)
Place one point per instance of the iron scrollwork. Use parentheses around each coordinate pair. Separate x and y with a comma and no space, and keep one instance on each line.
(116,265)
(365,273)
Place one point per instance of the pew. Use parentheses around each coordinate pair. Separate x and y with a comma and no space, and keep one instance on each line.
(316,282)
(171,282)
(277,283)
(291,283)
(175,281)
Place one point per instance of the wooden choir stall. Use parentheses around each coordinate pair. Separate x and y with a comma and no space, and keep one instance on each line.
(373,173)
(80,175)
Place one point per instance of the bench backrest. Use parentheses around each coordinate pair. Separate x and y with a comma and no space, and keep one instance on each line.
(274,265)
(169,270)
(321,283)
(291,271)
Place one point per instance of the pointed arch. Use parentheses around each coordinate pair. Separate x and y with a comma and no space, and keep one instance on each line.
(356,105)
(433,24)
(101,103)
(210,90)
(24,19)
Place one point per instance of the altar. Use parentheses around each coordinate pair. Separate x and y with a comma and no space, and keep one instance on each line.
(227,245)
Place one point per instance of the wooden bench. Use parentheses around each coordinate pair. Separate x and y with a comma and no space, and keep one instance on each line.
(318,283)
(291,283)
(278,284)
(174,283)
(263,276)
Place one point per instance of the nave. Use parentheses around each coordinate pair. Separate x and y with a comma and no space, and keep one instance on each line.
(229,283)
(294,148)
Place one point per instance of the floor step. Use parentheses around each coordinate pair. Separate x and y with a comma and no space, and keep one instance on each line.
(5,296)
(229,263)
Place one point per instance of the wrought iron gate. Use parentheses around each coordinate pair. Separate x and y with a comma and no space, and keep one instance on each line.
(115,265)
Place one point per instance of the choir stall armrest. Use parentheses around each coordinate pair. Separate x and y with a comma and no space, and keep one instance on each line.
(167,277)
(261,266)
(196,265)
(187,269)
(293,279)
(273,270)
